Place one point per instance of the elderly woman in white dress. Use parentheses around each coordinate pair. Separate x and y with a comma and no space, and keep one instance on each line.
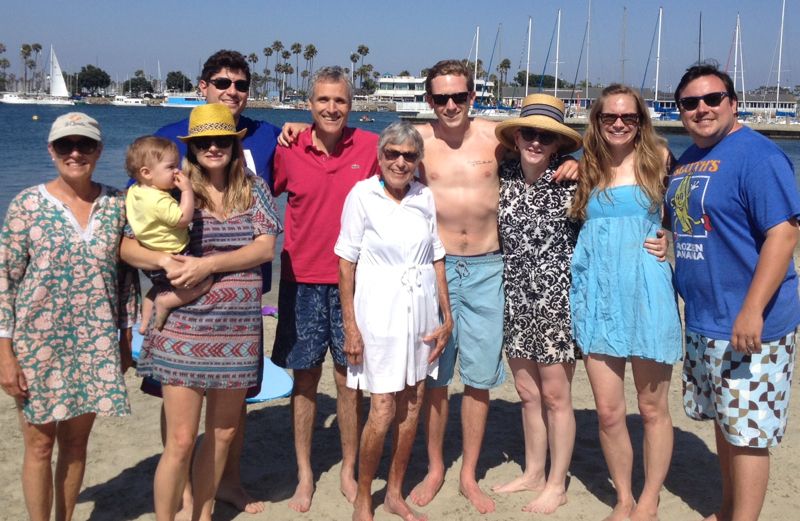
(393,292)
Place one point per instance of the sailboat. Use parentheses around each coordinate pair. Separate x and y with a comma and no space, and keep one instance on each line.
(59,95)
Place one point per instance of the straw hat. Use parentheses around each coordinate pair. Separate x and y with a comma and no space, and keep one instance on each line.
(544,112)
(212,119)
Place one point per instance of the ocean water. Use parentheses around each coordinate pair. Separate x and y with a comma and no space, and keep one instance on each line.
(24,160)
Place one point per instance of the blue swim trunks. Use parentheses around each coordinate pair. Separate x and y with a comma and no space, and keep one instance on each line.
(746,394)
(309,324)
(475,284)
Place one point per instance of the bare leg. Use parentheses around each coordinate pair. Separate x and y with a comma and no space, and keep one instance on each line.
(381,414)
(304,411)
(166,301)
(72,436)
(409,402)
(607,377)
(37,473)
(725,512)
(147,309)
(556,389)
(348,408)
(185,505)
(750,471)
(223,412)
(182,412)
(230,488)
(527,383)
(652,385)
(435,410)
(474,411)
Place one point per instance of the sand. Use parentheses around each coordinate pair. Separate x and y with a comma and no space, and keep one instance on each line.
(123,454)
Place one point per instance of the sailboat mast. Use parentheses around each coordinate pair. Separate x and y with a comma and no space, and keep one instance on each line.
(736,52)
(741,60)
(477,44)
(700,40)
(528,61)
(658,55)
(558,42)
(780,52)
(588,39)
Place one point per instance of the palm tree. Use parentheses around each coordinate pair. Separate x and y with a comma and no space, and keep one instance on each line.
(37,49)
(296,48)
(362,51)
(277,46)
(503,68)
(25,53)
(309,53)
(267,53)
(253,59)
(285,55)
(353,58)
(305,74)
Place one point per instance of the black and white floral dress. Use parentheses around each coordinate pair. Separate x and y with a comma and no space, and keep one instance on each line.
(537,239)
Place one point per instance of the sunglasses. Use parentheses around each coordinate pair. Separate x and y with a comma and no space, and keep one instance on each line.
(712,99)
(459,98)
(204,143)
(65,146)
(393,155)
(609,118)
(224,83)
(532,134)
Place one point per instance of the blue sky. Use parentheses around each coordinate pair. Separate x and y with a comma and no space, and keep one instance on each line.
(122,36)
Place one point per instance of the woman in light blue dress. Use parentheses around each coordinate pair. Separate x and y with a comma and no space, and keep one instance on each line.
(622,300)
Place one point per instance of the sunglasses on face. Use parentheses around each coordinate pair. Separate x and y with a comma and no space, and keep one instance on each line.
(459,98)
(204,143)
(224,83)
(65,146)
(532,134)
(609,118)
(712,99)
(393,155)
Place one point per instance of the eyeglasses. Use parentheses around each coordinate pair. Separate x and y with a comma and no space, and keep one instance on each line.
(204,143)
(532,134)
(393,155)
(459,98)
(224,83)
(65,146)
(712,99)
(609,118)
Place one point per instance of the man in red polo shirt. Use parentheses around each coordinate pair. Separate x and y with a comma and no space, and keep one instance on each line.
(317,172)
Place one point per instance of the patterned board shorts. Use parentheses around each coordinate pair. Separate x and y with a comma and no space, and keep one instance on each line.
(309,324)
(747,395)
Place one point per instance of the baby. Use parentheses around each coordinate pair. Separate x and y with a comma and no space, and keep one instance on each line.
(158,221)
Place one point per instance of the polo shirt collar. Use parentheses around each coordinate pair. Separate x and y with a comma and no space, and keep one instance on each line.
(306,140)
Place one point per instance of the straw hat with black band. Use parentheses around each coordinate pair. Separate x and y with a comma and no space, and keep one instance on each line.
(543,112)
(211,119)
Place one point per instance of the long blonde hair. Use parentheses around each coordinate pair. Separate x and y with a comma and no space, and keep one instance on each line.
(238,195)
(595,165)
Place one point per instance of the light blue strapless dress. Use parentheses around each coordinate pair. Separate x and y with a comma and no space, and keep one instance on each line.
(622,300)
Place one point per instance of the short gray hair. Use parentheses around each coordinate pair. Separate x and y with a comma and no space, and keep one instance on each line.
(331,74)
(400,133)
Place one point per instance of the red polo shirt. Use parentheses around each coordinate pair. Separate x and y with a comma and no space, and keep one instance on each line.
(317,185)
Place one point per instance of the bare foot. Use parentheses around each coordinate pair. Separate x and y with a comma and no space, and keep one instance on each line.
(240,499)
(621,512)
(644,512)
(521,484)
(348,486)
(301,500)
(427,489)
(184,514)
(716,516)
(398,507)
(362,510)
(547,502)
(482,503)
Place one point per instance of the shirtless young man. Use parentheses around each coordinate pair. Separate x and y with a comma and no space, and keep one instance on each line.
(460,167)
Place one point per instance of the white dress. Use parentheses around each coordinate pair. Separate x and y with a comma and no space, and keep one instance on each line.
(396,300)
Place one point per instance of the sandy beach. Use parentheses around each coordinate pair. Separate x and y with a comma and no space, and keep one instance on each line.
(123,454)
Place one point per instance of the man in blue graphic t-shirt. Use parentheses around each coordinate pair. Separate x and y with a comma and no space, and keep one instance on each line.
(733,206)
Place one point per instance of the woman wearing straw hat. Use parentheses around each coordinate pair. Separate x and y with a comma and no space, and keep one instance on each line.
(538,238)
(64,320)
(212,346)
(623,301)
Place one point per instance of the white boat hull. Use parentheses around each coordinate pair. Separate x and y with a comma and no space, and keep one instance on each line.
(15,99)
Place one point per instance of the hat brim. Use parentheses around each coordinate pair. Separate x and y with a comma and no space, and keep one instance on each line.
(208,133)
(570,142)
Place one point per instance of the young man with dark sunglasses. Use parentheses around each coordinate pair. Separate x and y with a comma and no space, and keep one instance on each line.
(733,205)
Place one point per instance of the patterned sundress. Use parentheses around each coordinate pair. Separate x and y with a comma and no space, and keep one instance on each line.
(537,239)
(61,304)
(215,341)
